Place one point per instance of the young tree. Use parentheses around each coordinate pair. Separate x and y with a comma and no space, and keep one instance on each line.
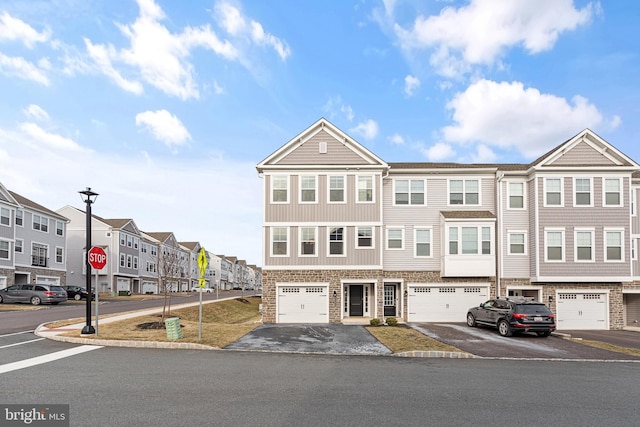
(171,268)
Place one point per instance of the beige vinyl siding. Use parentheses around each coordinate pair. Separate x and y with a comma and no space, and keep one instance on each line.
(583,154)
(428,215)
(309,153)
(355,257)
(596,217)
(514,266)
(321,211)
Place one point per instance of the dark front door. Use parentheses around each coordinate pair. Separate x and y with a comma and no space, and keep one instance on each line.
(390,301)
(355,300)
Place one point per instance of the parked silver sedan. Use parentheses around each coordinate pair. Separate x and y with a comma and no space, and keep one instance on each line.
(35,294)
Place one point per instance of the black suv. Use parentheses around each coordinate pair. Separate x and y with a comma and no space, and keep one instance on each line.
(514,315)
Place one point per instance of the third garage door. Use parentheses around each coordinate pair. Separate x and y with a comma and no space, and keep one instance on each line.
(577,310)
(436,303)
(303,304)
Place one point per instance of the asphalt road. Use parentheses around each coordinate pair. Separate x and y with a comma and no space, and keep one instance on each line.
(145,387)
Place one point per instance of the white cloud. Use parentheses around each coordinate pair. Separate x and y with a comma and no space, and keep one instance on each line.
(496,113)
(48,140)
(396,139)
(483,154)
(21,68)
(480,32)
(411,83)
(367,129)
(334,105)
(164,126)
(102,55)
(439,152)
(15,29)
(36,112)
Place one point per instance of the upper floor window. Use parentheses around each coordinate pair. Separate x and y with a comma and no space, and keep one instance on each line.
(59,228)
(59,255)
(584,245)
(19,244)
(365,188)
(336,189)
(554,245)
(516,195)
(612,192)
(336,241)
(634,249)
(280,189)
(409,192)
(19,217)
(4,249)
(5,216)
(395,238)
(123,239)
(39,254)
(553,192)
(582,188)
(40,223)
(154,250)
(307,189)
(136,242)
(613,242)
(279,241)
(423,242)
(129,261)
(123,260)
(143,248)
(135,262)
(365,237)
(632,201)
(516,243)
(129,241)
(307,241)
(469,240)
(464,192)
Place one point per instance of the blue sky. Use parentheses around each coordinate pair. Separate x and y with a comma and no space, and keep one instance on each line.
(164,107)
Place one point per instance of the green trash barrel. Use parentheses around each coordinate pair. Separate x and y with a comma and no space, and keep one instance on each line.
(172,326)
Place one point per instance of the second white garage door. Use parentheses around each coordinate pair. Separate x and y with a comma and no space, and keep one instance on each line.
(576,310)
(437,303)
(303,304)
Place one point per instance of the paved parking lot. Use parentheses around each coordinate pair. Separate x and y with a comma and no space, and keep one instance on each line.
(487,342)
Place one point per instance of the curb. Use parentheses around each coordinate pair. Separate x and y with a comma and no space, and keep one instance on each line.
(437,354)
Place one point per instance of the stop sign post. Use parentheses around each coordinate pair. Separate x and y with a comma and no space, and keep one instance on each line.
(97,258)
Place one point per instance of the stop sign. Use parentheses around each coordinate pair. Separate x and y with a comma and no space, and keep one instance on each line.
(97,257)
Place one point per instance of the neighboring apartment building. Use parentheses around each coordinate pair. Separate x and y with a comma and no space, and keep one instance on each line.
(32,242)
(348,236)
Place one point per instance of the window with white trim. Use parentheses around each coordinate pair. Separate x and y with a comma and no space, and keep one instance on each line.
(554,245)
(279,189)
(453,241)
(39,254)
(129,261)
(582,192)
(516,195)
(307,241)
(59,255)
(517,242)
(19,244)
(135,262)
(469,240)
(612,192)
(5,216)
(464,192)
(336,241)
(59,228)
(553,192)
(336,189)
(154,250)
(584,244)
(364,237)
(129,241)
(634,249)
(136,242)
(365,188)
(486,240)
(279,241)
(40,223)
(4,249)
(632,201)
(395,238)
(613,245)
(409,191)
(19,217)
(308,189)
(123,260)
(123,239)
(422,237)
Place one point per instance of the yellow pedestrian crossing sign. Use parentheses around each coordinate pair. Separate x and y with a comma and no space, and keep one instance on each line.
(202,263)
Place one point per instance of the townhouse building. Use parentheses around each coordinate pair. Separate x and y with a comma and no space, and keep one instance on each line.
(348,236)
(32,242)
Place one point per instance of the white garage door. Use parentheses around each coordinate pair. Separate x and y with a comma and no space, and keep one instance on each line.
(433,303)
(303,304)
(581,311)
(48,280)
(124,285)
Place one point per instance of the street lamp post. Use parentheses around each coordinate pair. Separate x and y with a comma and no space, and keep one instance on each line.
(88,197)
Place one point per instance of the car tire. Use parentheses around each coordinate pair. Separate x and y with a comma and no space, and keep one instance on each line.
(471,320)
(77,297)
(35,300)
(544,333)
(1,301)
(504,329)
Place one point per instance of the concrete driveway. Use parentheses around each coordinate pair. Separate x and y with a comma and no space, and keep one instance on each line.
(321,338)
(486,342)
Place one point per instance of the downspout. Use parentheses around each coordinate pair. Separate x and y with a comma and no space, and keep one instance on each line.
(499,234)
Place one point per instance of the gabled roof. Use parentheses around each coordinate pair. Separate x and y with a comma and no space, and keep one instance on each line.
(23,201)
(190,245)
(6,197)
(118,223)
(358,154)
(161,236)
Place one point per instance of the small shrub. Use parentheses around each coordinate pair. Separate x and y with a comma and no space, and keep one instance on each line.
(374,322)
(392,321)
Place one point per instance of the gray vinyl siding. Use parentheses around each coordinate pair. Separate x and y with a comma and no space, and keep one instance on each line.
(309,153)
(596,217)
(355,257)
(321,211)
(409,217)
(515,266)
(583,154)
(49,238)
(534,243)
